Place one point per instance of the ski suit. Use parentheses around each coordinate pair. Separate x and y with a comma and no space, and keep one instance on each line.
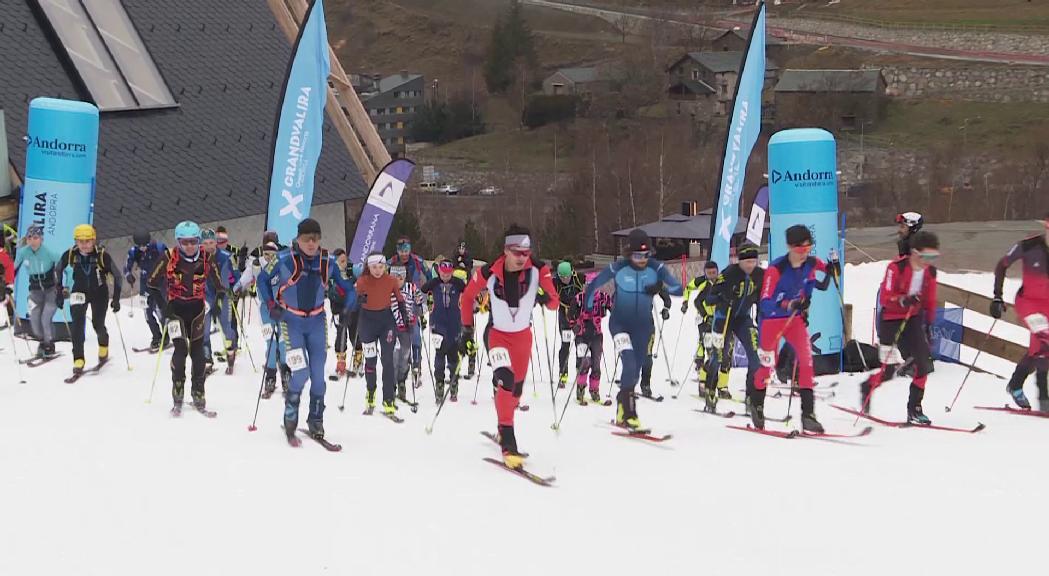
(220,308)
(589,337)
(701,286)
(631,319)
(40,266)
(407,325)
(1032,307)
(906,327)
(377,327)
(781,285)
(293,286)
(89,272)
(566,293)
(415,273)
(446,321)
(731,297)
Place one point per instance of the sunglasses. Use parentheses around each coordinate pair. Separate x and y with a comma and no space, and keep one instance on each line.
(188,241)
(802,248)
(310,238)
(639,255)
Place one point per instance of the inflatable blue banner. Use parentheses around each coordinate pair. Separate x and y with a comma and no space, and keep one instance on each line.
(377,215)
(803,189)
(743,131)
(300,119)
(59,189)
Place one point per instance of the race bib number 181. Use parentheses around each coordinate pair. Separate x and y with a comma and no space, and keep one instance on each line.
(500,358)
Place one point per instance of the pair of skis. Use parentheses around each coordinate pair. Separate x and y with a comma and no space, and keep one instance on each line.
(896,424)
(176,411)
(789,434)
(39,360)
(92,370)
(295,442)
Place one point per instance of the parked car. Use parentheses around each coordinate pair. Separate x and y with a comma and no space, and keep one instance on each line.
(490,191)
(448,189)
(427,186)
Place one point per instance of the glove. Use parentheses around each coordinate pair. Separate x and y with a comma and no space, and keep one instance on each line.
(542,297)
(835,268)
(422,322)
(467,335)
(130,278)
(60,297)
(997,308)
(910,300)
(928,333)
(684,307)
(653,289)
(238,293)
(798,305)
(276,312)
(665,314)
(115,305)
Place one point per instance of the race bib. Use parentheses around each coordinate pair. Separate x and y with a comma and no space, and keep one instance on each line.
(566,335)
(500,358)
(622,342)
(889,355)
(713,340)
(767,358)
(371,349)
(437,340)
(295,359)
(175,329)
(581,350)
(267,331)
(1037,323)
(77,298)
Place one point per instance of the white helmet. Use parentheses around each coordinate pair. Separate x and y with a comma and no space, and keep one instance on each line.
(913,220)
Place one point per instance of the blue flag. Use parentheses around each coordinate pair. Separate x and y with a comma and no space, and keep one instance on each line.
(743,132)
(300,119)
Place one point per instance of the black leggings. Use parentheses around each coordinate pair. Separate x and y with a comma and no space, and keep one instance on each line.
(190,314)
(377,328)
(98,302)
(345,329)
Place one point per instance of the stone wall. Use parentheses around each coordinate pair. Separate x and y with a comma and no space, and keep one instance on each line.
(973,83)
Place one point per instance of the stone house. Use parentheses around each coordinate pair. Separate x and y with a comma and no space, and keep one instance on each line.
(837,100)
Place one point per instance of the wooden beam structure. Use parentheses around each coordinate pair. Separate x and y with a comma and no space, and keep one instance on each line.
(354,133)
(981,340)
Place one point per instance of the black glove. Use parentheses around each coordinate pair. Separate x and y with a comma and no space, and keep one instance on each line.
(467,335)
(799,305)
(422,321)
(653,289)
(238,293)
(997,308)
(834,268)
(684,307)
(276,312)
(542,297)
(115,305)
(130,278)
(60,297)
(665,314)
(910,300)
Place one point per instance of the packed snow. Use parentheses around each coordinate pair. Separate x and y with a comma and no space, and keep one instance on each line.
(95,480)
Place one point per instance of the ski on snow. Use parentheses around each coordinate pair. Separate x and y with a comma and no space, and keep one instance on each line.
(640,433)
(329,446)
(495,440)
(893,424)
(39,360)
(92,370)
(1017,411)
(788,434)
(650,397)
(523,473)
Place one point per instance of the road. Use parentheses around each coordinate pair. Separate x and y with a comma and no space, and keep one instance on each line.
(621,17)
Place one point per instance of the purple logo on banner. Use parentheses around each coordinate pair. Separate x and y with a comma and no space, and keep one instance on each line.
(377,216)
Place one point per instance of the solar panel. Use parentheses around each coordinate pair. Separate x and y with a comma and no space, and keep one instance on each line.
(108,53)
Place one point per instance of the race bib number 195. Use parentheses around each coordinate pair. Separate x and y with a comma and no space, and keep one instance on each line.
(622,342)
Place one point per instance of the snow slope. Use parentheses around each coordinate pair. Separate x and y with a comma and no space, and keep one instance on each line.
(95,481)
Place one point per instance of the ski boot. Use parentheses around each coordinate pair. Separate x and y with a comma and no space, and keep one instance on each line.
(563,380)
(178,392)
(78,367)
(285,379)
(626,412)
(369,401)
(103,356)
(471,365)
(580,392)
(340,364)
(1019,397)
(154,346)
(198,400)
(316,428)
(290,425)
(757,409)
(358,363)
(512,458)
(710,400)
(49,350)
(209,366)
(269,382)
(808,412)
(438,390)
(595,394)
(231,358)
(41,352)
(646,389)
(417,374)
(402,391)
(723,391)
(453,389)
(865,394)
(915,415)
(389,407)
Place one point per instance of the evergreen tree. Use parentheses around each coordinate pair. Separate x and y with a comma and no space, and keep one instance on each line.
(511,48)
(474,242)
(406,223)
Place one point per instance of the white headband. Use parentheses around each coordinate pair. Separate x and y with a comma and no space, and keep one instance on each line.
(376,259)
(519,240)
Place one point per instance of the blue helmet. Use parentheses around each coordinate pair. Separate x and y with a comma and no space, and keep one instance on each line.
(187,229)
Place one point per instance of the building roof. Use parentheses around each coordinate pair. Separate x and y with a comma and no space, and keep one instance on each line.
(829,81)
(580,75)
(209,158)
(720,62)
(680,227)
(770,40)
(393,81)
(692,87)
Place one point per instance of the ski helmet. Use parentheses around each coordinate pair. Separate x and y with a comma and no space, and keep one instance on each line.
(141,238)
(84,232)
(913,220)
(638,241)
(207,234)
(186,230)
(564,269)
(747,251)
(798,235)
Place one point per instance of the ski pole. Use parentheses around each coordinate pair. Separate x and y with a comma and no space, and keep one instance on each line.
(477,381)
(14,350)
(666,359)
(160,356)
(884,365)
(677,339)
(546,346)
(971,366)
(691,366)
(557,425)
(793,385)
(444,397)
(243,338)
(612,378)
(123,345)
(533,361)
(258,399)
(841,300)
(346,382)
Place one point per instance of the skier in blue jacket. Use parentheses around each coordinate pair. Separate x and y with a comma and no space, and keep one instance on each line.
(638,278)
(447,327)
(294,286)
(145,254)
(219,308)
(416,273)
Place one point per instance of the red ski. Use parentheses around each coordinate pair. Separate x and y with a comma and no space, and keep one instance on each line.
(530,476)
(832,436)
(1019,411)
(979,426)
(640,433)
(775,433)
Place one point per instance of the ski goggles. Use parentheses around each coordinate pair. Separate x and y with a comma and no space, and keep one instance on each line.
(445,266)
(639,256)
(929,256)
(404,247)
(801,248)
(188,241)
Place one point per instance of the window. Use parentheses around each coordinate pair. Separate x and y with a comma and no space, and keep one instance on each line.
(400,110)
(109,55)
(400,125)
(848,122)
(695,73)
(373,112)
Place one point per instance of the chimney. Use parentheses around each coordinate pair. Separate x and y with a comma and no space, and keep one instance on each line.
(404,74)
(689,208)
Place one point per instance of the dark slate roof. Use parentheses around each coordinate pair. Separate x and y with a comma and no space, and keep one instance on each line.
(829,81)
(770,40)
(692,87)
(720,62)
(208,159)
(395,80)
(682,227)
